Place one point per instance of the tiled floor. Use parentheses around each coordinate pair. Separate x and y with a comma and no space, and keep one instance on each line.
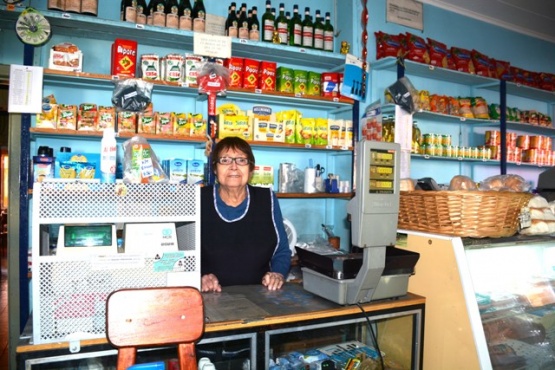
(3,310)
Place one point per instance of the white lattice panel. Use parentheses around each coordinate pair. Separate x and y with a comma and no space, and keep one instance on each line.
(69,294)
(67,201)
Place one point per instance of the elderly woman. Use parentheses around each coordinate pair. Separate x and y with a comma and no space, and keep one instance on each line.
(243,240)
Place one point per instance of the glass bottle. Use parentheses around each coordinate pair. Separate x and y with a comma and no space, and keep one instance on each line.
(268,23)
(232,23)
(296,28)
(318,32)
(185,20)
(141,11)
(149,11)
(254,27)
(199,16)
(243,23)
(59,5)
(416,138)
(158,12)
(172,14)
(328,34)
(89,7)
(308,29)
(281,24)
(128,11)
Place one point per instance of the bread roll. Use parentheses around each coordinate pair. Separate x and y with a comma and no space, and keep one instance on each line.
(461,182)
(406,184)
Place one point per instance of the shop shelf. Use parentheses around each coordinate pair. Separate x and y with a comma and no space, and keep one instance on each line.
(76,25)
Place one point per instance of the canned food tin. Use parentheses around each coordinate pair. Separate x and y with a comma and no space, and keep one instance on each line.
(523,141)
(493,138)
(430,149)
(439,150)
(429,138)
(454,151)
(530,156)
(511,139)
(330,84)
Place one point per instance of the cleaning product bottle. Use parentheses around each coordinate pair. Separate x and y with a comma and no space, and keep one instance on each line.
(108,151)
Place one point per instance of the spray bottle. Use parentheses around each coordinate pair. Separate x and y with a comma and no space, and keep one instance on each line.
(108,151)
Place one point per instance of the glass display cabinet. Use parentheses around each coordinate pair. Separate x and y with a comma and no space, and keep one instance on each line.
(490,302)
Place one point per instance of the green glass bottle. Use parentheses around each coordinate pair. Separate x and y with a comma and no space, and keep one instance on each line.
(243,22)
(128,11)
(232,23)
(159,13)
(268,23)
(318,42)
(254,26)
(141,11)
(281,24)
(185,13)
(199,16)
(308,29)
(328,34)
(172,14)
(296,28)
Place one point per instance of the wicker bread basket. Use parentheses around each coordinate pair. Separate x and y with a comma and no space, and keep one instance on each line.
(476,214)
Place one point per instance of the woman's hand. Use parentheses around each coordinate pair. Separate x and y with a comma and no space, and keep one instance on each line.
(210,283)
(273,280)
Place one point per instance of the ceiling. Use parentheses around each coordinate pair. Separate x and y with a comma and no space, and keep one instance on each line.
(535,18)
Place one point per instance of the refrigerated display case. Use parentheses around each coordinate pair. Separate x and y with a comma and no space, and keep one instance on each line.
(490,303)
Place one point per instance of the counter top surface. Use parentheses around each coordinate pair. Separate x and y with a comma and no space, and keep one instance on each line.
(250,306)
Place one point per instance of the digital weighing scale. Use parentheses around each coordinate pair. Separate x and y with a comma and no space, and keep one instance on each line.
(358,278)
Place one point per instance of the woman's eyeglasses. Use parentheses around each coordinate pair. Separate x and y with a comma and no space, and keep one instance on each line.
(241,161)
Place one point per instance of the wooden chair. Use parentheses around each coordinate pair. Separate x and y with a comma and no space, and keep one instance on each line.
(152,317)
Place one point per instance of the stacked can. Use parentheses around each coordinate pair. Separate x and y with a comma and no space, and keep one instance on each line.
(536,149)
(493,142)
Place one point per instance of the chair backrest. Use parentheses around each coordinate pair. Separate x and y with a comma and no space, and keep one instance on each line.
(152,317)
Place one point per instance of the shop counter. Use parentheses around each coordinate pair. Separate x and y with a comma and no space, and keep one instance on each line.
(251,326)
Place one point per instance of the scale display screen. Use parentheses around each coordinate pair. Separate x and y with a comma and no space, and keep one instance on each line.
(82,236)
(382,171)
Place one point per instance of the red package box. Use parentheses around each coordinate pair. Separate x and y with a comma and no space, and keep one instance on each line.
(267,80)
(124,58)
(251,68)
(235,67)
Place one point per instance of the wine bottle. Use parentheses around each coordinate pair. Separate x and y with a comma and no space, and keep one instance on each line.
(281,24)
(159,13)
(295,28)
(232,23)
(128,11)
(243,23)
(318,42)
(141,11)
(268,23)
(199,16)
(308,29)
(172,14)
(328,34)
(254,27)
(149,11)
(185,20)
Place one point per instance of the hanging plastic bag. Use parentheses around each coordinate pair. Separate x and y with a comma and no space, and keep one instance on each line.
(132,95)
(140,164)
(404,95)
